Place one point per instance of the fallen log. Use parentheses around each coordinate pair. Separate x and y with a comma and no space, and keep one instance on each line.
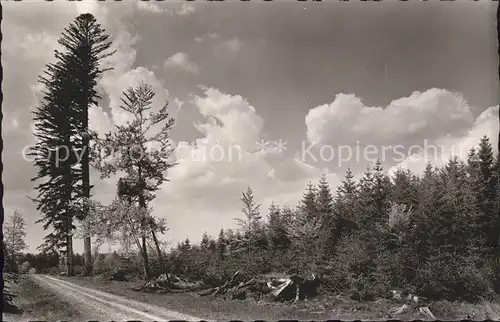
(403,309)
(118,274)
(228,284)
(279,290)
(206,292)
(427,312)
(221,289)
(411,301)
(152,286)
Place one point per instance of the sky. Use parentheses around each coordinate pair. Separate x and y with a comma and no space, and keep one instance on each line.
(268,95)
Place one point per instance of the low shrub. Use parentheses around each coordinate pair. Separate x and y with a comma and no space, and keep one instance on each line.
(455,279)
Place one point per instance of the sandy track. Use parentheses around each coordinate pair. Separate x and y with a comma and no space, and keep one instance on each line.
(98,305)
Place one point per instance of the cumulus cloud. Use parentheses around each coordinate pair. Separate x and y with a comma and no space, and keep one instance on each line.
(213,170)
(99,121)
(448,146)
(149,7)
(235,113)
(181,60)
(44,43)
(89,6)
(366,133)
(172,9)
(225,47)
(186,9)
(428,114)
(209,35)
(233,45)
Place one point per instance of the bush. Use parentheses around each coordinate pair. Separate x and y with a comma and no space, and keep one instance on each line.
(455,279)
(53,271)
(78,269)
(108,265)
(492,269)
(355,271)
(25,267)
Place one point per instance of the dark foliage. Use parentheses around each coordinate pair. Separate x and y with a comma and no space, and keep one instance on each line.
(435,235)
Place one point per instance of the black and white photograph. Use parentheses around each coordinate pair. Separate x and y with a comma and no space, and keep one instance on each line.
(250,160)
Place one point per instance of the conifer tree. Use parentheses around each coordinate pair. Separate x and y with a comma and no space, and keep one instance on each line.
(205,242)
(306,230)
(71,83)
(54,156)
(325,205)
(472,190)
(221,244)
(86,44)
(346,205)
(324,198)
(186,245)
(382,188)
(286,214)
(251,226)
(308,207)
(277,228)
(486,192)
(405,189)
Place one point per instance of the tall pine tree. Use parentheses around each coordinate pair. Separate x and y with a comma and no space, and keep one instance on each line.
(486,192)
(85,45)
(308,207)
(277,228)
(324,197)
(324,202)
(54,156)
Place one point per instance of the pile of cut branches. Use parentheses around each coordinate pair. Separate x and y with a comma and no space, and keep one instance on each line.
(167,283)
(277,287)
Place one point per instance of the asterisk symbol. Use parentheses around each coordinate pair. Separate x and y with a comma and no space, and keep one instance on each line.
(280,145)
(262,145)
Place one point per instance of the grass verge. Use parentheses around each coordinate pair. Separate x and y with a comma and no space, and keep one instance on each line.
(33,302)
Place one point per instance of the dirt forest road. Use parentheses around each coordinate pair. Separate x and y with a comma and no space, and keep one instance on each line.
(101,306)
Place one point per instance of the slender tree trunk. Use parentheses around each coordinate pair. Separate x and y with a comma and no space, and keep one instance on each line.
(144,224)
(13,255)
(62,260)
(145,257)
(14,267)
(142,205)
(145,253)
(160,256)
(69,256)
(87,256)
(87,243)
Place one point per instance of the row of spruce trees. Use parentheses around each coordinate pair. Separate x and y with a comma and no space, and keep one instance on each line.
(436,234)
